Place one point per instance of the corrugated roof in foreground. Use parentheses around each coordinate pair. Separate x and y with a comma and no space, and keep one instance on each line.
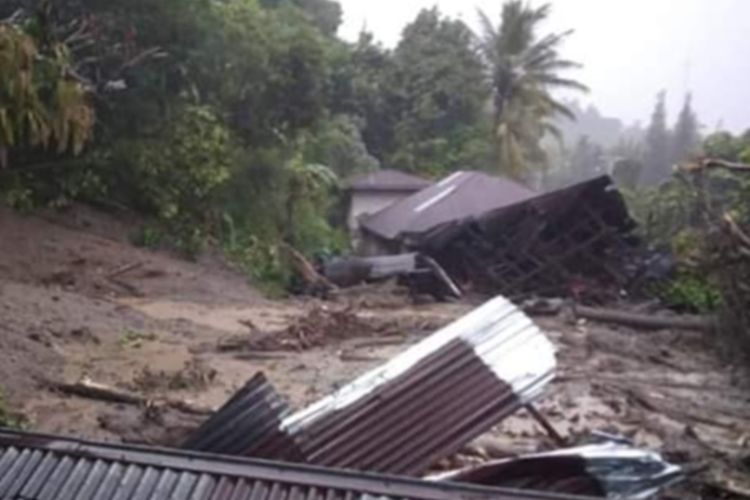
(461,195)
(388,180)
(429,401)
(37,467)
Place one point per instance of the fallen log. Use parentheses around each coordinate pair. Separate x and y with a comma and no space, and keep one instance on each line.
(124,270)
(648,322)
(92,390)
(89,389)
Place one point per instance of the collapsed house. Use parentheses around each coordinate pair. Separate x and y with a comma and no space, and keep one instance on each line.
(495,236)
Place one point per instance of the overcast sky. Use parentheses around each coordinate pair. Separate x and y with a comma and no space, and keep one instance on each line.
(630,49)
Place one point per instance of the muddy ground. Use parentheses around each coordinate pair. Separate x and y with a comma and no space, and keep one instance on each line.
(77,300)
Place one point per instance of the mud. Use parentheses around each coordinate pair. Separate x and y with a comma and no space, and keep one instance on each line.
(61,318)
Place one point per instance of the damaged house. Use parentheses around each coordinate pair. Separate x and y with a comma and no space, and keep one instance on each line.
(496,236)
(372,192)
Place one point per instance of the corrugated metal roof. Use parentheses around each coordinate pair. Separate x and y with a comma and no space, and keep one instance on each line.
(388,180)
(37,467)
(429,401)
(461,195)
(247,424)
(611,470)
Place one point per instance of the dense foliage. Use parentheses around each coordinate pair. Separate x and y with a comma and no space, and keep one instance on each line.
(238,120)
(679,217)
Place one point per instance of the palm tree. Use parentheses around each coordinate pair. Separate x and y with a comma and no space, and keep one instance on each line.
(523,71)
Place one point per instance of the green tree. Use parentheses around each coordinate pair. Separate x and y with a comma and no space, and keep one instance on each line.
(524,70)
(338,143)
(725,146)
(362,87)
(439,92)
(324,14)
(686,139)
(308,186)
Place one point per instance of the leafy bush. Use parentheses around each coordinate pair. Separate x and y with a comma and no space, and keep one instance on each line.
(692,293)
(173,175)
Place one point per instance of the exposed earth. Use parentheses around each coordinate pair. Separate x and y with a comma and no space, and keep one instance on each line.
(77,301)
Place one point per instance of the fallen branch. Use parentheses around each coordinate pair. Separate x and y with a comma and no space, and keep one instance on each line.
(89,389)
(92,390)
(123,270)
(649,322)
(306,270)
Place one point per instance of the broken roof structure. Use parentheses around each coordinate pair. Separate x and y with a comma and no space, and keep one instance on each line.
(405,415)
(609,469)
(40,467)
(388,180)
(461,195)
(500,238)
(547,245)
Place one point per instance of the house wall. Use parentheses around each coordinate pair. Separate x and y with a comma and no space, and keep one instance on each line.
(365,203)
(370,202)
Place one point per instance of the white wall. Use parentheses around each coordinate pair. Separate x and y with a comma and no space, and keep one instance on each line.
(369,202)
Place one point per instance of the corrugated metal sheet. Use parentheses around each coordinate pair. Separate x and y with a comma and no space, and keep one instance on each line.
(36,467)
(429,401)
(247,424)
(459,196)
(611,470)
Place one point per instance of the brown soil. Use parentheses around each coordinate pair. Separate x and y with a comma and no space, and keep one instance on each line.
(158,330)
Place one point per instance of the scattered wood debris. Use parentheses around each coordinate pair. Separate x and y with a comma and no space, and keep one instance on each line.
(320,325)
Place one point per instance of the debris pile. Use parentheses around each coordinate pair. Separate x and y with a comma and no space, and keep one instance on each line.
(559,244)
(403,417)
(320,325)
(420,273)
(426,404)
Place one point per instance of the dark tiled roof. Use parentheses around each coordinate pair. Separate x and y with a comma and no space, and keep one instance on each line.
(37,467)
(459,196)
(388,180)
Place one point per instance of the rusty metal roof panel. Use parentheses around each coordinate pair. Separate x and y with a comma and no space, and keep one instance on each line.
(247,424)
(38,467)
(419,407)
(427,402)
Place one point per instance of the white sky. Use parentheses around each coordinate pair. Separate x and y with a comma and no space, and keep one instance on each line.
(630,49)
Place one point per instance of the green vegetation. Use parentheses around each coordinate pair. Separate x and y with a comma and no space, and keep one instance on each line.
(235,122)
(683,214)
(134,339)
(9,418)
